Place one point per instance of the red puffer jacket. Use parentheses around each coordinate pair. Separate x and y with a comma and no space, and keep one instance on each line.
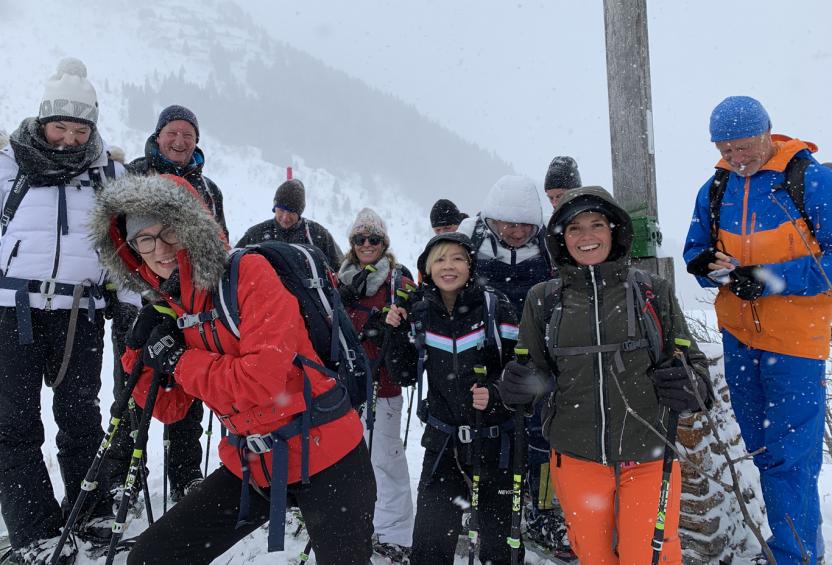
(360,313)
(254,385)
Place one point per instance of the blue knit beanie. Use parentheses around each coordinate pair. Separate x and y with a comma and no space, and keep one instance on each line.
(737,117)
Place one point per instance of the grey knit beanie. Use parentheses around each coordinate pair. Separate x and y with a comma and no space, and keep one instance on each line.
(136,223)
(290,196)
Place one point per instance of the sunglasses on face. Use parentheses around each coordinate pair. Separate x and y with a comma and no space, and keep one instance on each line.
(359,240)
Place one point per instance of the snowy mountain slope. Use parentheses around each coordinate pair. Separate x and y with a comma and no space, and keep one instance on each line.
(246,88)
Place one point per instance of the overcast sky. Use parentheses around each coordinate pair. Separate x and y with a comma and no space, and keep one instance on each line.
(527,79)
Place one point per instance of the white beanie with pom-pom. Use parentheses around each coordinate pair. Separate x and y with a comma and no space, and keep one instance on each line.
(69,95)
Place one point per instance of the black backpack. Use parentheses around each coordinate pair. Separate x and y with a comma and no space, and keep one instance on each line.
(793,184)
(303,271)
(640,310)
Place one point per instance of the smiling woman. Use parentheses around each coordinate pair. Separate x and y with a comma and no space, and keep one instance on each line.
(611,350)
(368,279)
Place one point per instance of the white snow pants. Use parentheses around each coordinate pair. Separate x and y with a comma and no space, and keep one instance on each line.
(393,519)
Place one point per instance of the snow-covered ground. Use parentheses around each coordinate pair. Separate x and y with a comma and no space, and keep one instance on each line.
(252,550)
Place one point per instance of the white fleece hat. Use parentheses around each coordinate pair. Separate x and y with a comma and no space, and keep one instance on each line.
(69,95)
(513,199)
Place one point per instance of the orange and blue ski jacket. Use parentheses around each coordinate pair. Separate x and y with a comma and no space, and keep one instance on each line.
(793,316)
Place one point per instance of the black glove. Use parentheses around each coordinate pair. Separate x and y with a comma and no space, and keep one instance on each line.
(165,345)
(522,384)
(355,289)
(110,302)
(123,318)
(699,265)
(149,317)
(674,389)
(745,283)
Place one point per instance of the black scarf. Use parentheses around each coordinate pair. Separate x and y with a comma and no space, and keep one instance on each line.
(45,164)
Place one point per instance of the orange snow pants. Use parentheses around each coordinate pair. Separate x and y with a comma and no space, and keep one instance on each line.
(610,520)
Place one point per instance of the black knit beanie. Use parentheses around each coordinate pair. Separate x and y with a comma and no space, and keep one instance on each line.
(176,112)
(290,196)
(445,213)
(562,173)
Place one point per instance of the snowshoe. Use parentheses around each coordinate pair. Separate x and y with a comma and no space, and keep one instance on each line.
(39,552)
(393,552)
(99,551)
(548,531)
(178,493)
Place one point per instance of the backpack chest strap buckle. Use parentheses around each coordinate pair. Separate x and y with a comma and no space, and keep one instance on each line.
(190,320)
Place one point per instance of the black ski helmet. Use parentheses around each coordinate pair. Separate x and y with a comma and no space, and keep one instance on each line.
(449,237)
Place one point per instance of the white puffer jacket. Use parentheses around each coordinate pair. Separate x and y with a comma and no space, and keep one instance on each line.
(513,199)
(34,248)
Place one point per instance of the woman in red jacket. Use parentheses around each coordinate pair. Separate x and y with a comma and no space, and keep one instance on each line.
(156,237)
(369,277)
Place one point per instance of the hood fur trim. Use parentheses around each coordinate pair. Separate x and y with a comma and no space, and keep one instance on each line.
(176,204)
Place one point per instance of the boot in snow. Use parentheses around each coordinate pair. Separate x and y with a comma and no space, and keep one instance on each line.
(39,552)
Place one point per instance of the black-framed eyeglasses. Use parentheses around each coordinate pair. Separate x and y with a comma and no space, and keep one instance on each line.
(146,243)
(360,239)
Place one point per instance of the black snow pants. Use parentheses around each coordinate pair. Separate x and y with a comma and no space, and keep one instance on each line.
(28,504)
(185,450)
(439,512)
(337,508)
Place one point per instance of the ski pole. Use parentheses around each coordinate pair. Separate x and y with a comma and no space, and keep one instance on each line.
(134,425)
(519,469)
(474,524)
(90,482)
(409,412)
(371,415)
(135,463)
(166,467)
(399,295)
(209,432)
(307,551)
(667,468)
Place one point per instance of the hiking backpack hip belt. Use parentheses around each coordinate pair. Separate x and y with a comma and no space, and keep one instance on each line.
(466,434)
(327,407)
(48,289)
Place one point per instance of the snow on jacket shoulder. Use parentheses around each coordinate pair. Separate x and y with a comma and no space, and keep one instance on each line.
(794,314)
(33,247)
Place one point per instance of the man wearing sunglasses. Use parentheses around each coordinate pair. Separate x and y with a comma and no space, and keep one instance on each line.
(290,226)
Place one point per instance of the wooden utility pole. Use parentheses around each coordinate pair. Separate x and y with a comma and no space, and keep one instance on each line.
(631,114)
(631,121)
(706,528)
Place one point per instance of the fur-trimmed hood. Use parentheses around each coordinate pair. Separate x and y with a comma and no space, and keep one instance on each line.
(175,202)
